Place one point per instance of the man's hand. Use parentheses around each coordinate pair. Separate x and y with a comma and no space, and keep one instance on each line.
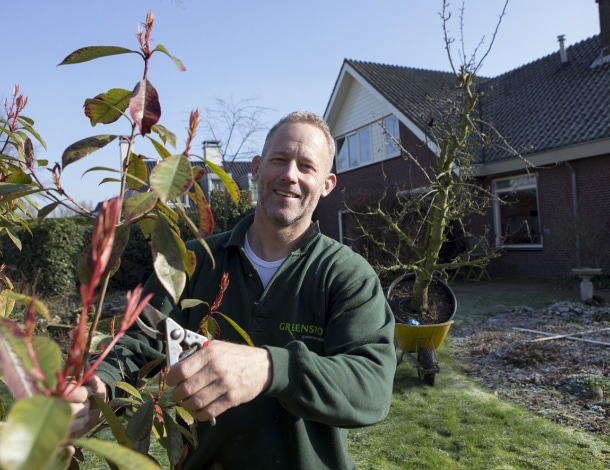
(85,412)
(220,376)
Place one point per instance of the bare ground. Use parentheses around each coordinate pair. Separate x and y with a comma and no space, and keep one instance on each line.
(562,379)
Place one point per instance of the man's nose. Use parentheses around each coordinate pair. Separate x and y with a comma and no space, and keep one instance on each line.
(290,171)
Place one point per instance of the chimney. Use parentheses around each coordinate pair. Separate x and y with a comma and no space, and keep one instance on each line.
(563,55)
(604,26)
(211,151)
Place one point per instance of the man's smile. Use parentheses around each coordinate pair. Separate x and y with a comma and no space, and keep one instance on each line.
(285,194)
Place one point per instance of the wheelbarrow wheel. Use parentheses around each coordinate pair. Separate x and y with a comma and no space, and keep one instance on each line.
(425,360)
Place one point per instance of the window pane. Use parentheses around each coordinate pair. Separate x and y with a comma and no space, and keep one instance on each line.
(519,222)
(391,134)
(352,145)
(341,154)
(366,154)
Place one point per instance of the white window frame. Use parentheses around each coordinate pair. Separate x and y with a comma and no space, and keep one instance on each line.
(389,149)
(391,132)
(340,215)
(504,186)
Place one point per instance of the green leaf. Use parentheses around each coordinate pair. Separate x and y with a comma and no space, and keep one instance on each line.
(140,424)
(137,173)
(62,461)
(124,457)
(144,106)
(14,238)
(171,178)
(86,54)
(39,306)
(121,237)
(129,389)
(18,177)
(204,212)
(138,205)
(186,416)
(190,303)
(35,429)
(147,226)
(174,438)
(16,189)
(117,428)
(239,329)
(124,401)
(161,150)
(84,147)
(27,124)
(46,210)
(166,136)
(6,304)
(177,61)
(210,327)
(107,107)
(168,251)
(231,186)
(48,354)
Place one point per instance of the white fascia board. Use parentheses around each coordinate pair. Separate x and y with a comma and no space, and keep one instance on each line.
(565,154)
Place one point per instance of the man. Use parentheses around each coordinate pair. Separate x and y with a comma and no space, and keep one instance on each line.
(324,359)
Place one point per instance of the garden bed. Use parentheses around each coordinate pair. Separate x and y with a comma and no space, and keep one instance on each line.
(562,379)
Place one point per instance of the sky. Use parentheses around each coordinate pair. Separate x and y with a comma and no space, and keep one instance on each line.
(283,54)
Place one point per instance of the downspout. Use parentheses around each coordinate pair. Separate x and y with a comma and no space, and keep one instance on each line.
(575,210)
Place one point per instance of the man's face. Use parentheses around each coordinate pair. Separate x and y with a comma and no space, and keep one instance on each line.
(293,175)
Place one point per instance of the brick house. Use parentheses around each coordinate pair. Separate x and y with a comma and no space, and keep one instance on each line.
(554,111)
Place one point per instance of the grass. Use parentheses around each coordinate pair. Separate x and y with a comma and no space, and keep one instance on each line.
(457,424)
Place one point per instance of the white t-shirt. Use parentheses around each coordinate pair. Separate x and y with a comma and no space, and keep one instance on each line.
(265,269)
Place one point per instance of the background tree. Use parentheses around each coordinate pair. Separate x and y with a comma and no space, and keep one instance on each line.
(237,126)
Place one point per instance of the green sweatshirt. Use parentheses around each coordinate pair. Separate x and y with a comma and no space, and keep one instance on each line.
(325,322)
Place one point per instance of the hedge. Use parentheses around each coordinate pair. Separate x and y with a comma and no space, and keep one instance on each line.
(46,265)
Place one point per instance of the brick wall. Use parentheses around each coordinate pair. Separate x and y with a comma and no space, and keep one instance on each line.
(372,179)
(559,254)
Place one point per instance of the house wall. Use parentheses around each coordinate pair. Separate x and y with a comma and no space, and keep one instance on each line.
(360,108)
(558,254)
(362,182)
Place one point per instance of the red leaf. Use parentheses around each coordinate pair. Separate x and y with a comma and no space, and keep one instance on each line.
(144,106)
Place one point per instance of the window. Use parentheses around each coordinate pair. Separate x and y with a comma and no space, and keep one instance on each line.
(390,135)
(368,144)
(517,222)
(346,227)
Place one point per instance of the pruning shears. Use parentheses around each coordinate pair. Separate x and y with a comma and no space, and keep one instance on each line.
(180,343)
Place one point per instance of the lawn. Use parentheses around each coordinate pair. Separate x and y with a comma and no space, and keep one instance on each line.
(457,425)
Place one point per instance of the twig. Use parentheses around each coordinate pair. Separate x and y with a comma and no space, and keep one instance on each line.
(566,336)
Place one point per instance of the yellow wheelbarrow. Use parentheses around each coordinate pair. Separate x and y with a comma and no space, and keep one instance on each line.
(420,340)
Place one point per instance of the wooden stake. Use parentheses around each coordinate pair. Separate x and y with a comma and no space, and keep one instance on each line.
(566,336)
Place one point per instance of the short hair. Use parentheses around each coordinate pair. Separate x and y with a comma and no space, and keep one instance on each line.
(306,117)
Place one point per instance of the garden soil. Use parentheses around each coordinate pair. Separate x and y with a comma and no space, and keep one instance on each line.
(563,379)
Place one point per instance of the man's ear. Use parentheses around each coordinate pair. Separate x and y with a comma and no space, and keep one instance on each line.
(329,184)
(254,164)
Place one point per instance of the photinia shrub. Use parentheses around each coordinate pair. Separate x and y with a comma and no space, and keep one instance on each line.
(36,431)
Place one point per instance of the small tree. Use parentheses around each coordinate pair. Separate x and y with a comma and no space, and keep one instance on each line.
(411,226)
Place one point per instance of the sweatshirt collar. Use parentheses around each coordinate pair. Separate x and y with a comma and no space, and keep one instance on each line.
(238,234)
